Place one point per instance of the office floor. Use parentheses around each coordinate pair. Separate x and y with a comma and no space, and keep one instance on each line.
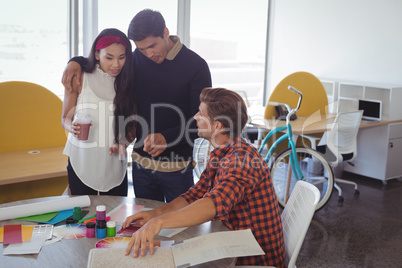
(362,232)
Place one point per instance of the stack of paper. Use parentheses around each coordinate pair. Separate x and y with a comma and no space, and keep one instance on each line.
(25,239)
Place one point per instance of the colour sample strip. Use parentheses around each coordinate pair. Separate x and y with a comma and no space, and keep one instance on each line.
(113,242)
(25,230)
(12,234)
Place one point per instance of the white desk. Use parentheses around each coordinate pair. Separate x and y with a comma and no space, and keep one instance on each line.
(74,253)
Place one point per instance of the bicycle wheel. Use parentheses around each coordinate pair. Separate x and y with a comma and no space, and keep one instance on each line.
(202,148)
(314,167)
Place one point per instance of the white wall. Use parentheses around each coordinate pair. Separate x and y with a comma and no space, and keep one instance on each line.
(349,40)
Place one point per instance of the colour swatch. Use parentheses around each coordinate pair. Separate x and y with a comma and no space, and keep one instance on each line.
(130,230)
(71,231)
(113,242)
(12,234)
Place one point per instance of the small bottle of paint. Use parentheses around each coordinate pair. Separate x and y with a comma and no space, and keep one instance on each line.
(77,214)
(111,228)
(90,229)
(100,213)
(101,229)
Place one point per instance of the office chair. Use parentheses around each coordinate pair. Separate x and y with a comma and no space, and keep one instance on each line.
(296,219)
(30,120)
(31,117)
(339,145)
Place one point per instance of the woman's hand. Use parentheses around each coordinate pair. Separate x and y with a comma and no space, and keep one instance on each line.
(75,129)
(118,149)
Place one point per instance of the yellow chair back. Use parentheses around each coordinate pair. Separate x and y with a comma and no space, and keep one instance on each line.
(314,99)
(314,95)
(30,117)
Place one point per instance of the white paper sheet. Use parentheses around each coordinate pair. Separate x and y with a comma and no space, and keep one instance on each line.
(29,247)
(44,207)
(215,246)
(39,235)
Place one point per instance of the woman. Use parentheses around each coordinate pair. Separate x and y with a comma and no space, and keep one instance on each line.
(98,164)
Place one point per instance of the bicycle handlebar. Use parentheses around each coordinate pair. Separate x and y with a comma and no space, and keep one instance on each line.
(290,110)
(291,88)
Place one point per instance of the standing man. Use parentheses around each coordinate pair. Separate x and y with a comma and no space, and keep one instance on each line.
(168,79)
(235,188)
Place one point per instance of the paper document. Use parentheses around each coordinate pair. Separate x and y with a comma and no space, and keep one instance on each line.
(215,246)
(39,234)
(30,247)
(121,212)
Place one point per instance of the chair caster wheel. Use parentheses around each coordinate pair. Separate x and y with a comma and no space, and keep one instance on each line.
(340,199)
(357,193)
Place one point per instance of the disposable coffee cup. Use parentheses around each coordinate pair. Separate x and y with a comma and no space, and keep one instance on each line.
(84,124)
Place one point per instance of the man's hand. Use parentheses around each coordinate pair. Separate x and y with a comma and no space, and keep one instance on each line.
(144,237)
(71,79)
(141,218)
(155,144)
(144,234)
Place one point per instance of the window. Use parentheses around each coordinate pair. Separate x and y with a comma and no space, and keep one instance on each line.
(231,36)
(119,13)
(33,42)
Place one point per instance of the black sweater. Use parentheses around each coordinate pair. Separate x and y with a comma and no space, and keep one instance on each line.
(168,98)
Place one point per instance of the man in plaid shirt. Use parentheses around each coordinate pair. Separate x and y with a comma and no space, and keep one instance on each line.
(235,187)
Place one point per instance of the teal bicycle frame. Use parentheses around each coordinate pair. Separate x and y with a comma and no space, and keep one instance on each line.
(288,135)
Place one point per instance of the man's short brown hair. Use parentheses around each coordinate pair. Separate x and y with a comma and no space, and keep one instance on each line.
(227,107)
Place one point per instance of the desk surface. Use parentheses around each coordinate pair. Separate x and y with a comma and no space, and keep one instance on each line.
(315,124)
(21,166)
(74,253)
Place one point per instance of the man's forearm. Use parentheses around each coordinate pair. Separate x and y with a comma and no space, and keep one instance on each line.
(196,213)
(82,61)
(174,205)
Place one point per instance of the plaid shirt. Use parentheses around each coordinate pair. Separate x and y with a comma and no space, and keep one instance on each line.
(238,181)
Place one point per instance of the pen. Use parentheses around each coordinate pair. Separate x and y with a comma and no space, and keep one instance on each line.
(87,218)
(94,219)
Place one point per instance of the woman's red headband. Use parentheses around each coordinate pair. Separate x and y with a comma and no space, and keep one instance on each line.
(108,40)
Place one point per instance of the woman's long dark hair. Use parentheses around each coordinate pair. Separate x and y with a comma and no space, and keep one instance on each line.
(125,101)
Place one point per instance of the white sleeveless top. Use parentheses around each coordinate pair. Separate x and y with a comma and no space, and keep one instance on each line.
(90,159)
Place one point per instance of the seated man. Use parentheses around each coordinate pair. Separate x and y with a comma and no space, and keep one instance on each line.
(235,187)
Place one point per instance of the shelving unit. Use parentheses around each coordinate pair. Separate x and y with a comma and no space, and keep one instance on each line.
(390,96)
(331,87)
(379,148)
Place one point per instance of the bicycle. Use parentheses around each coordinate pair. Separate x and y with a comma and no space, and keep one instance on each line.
(301,160)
